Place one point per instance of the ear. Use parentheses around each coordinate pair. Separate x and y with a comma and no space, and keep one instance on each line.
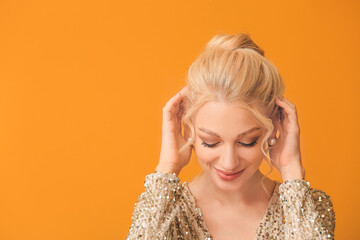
(275,120)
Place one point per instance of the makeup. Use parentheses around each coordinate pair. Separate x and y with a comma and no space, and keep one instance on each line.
(228,177)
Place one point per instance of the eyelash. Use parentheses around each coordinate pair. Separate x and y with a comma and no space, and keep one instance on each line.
(213,145)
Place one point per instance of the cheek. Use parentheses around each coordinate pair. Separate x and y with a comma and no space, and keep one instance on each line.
(251,155)
(256,151)
(253,152)
(254,155)
(204,154)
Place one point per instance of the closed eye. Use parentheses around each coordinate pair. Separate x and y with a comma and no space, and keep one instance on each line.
(243,144)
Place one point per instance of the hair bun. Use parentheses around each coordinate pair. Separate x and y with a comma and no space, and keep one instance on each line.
(233,42)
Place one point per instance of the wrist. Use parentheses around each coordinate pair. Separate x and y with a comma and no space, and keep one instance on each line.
(293,172)
(163,168)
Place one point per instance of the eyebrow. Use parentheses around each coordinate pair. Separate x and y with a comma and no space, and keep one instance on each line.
(240,135)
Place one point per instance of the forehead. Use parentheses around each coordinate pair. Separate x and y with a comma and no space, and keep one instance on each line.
(224,117)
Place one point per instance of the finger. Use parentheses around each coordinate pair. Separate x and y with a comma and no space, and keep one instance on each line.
(180,115)
(172,106)
(178,96)
(184,90)
(289,113)
(173,100)
(186,132)
(287,101)
(275,121)
(290,104)
(288,109)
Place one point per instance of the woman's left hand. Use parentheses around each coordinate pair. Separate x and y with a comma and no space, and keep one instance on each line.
(285,154)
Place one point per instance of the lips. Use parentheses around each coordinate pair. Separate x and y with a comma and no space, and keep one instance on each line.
(229,176)
(228,173)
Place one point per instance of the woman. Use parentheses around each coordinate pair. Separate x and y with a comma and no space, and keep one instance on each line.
(233,116)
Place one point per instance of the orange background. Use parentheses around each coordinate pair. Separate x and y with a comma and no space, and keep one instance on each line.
(83,83)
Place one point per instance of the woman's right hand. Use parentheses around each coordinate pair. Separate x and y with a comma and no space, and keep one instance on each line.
(172,138)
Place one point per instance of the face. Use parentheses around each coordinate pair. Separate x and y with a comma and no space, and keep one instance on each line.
(224,143)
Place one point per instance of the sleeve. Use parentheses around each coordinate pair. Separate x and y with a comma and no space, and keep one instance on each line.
(308,213)
(156,207)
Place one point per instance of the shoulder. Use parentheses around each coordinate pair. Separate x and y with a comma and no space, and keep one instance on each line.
(315,206)
(316,203)
(322,200)
(320,197)
(296,188)
(323,203)
(324,207)
(299,191)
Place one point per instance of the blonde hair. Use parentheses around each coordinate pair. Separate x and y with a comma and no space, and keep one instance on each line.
(233,68)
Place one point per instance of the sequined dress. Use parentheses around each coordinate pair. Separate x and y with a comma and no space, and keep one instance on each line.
(168,210)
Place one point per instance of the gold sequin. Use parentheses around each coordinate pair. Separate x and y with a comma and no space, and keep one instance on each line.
(167,210)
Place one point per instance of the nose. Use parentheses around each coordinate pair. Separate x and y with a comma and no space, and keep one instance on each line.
(229,161)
